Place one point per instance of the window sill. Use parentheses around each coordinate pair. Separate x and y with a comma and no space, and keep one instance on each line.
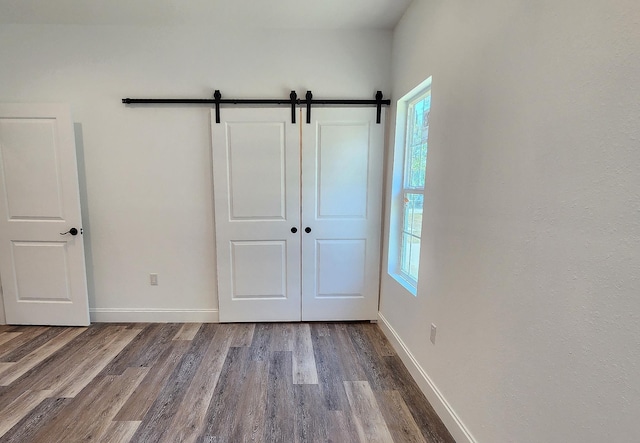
(406,284)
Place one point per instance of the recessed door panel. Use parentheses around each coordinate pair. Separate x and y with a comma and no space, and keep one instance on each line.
(257,177)
(41,271)
(343,165)
(259,269)
(341,267)
(30,169)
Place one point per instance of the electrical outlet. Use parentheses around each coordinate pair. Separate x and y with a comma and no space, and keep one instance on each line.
(432,336)
(153,279)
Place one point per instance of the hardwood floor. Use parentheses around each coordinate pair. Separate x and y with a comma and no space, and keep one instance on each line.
(265,382)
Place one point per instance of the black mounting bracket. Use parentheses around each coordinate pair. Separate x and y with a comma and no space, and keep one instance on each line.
(309,97)
(217,96)
(378,106)
(294,101)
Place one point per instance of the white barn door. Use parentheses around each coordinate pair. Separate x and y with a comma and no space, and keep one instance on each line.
(42,265)
(271,187)
(256,180)
(342,208)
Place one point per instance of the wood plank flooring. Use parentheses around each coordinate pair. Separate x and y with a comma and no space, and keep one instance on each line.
(222,383)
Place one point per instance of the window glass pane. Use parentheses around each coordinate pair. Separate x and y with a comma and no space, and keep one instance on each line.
(410,258)
(417,166)
(414,263)
(417,137)
(405,256)
(412,217)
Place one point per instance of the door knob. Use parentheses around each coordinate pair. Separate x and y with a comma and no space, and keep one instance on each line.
(72,231)
(294,229)
(307,229)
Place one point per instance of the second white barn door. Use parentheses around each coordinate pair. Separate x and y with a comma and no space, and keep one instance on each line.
(298,214)
(341,206)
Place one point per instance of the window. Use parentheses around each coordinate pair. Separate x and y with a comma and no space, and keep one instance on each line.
(410,162)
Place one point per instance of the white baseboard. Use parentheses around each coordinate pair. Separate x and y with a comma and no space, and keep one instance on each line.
(457,429)
(151,315)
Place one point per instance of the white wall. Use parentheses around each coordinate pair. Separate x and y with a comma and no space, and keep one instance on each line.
(146,172)
(530,266)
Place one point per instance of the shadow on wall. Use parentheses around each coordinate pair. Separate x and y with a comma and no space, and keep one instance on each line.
(84,208)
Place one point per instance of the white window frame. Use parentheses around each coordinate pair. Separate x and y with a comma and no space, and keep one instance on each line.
(398,188)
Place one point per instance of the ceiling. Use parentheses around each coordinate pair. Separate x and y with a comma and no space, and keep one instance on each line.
(280,14)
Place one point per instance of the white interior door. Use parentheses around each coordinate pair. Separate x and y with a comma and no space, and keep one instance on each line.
(256,172)
(42,271)
(342,153)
